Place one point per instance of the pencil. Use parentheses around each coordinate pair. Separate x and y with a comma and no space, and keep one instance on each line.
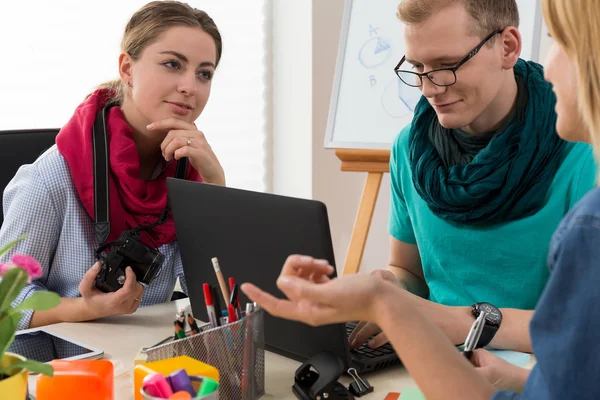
(222,285)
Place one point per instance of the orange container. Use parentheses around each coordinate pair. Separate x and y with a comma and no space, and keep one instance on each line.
(77,379)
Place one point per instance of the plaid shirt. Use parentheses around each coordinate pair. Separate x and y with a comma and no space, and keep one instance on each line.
(42,202)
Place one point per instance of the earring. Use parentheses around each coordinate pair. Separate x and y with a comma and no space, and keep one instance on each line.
(129,84)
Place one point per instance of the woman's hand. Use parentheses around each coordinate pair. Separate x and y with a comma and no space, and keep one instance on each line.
(500,373)
(185,140)
(97,304)
(315,299)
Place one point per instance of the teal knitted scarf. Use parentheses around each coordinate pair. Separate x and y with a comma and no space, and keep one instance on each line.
(507,180)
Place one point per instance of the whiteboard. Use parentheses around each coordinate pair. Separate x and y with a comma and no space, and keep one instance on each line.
(369,104)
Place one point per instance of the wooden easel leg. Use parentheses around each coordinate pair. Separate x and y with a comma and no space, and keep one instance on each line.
(362,223)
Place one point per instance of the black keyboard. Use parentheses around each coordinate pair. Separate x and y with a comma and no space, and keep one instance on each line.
(364,350)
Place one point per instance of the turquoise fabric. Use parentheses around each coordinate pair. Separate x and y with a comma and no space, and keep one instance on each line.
(508,179)
(504,264)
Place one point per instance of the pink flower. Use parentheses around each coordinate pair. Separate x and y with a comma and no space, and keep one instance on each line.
(29,264)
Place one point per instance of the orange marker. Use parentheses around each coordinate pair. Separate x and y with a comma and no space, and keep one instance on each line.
(181,395)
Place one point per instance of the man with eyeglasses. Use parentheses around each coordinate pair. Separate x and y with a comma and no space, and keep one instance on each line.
(480,179)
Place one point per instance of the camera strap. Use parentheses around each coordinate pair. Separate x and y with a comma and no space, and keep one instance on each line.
(101,181)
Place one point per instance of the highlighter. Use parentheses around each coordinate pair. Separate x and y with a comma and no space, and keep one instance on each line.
(180,381)
(208,386)
(156,385)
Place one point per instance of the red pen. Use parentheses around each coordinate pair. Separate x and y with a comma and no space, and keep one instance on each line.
(231,283)
(231,313)
(210,306)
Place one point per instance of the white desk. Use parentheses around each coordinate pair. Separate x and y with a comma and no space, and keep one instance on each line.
(122,337)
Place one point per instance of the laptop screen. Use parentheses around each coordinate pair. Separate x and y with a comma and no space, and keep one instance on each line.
(252,234)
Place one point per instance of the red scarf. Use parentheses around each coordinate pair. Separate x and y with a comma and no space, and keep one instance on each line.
(133,201)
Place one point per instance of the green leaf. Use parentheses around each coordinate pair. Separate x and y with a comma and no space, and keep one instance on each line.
(8,326)
(11,244)
(39,301)
(32,366)
(11,285)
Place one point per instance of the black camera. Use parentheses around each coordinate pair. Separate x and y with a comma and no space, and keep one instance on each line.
(128,251)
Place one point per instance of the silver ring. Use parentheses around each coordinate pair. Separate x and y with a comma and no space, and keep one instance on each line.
(189,142)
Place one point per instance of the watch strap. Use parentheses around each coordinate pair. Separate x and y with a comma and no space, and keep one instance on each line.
(488,333)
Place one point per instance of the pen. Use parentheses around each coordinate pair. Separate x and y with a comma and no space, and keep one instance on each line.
(179,333)
(218,309)
(232,315)
(474,335)
(193,325)
(217,267)
(210,308)
(180,318)
(234,300)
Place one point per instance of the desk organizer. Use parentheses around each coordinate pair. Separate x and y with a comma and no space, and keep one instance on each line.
(237,350)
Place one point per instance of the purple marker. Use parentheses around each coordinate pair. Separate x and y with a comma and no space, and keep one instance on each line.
(180,381)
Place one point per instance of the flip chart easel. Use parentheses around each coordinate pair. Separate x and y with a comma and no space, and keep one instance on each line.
(375,163)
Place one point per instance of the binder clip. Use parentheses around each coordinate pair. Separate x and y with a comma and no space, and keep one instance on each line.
(360,386)
(317,379)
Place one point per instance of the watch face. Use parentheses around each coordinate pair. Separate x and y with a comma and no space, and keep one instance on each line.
(493,314)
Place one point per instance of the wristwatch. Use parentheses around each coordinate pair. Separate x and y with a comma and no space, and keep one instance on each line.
(493,319)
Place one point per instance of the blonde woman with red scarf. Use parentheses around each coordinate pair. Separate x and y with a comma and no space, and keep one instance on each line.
(169,54)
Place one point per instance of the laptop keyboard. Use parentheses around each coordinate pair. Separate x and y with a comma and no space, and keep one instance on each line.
(365,350)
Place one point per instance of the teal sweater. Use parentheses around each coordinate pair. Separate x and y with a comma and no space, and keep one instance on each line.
(503,264)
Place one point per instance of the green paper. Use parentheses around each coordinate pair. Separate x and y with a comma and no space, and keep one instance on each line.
(411,394)
(208,386)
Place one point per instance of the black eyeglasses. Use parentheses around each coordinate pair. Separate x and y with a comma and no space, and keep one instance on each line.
(439,77)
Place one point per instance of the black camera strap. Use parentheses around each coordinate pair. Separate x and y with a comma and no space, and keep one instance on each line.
(101,181)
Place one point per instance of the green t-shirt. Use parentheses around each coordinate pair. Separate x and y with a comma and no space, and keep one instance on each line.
(503,264)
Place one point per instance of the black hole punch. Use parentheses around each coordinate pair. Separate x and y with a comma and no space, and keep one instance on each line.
(317,379)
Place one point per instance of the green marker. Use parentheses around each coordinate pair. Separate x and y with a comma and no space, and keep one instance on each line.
(208,386)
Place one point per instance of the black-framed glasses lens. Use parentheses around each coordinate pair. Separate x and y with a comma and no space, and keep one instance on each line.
(444,77)
(410,78)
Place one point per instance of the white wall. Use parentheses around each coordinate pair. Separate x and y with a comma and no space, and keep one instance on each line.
(292,98)
(340,191)
(305,43)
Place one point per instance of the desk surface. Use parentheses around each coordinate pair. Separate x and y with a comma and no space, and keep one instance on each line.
(122,337)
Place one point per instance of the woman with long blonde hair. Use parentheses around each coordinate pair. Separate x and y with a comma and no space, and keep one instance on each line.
(566,322)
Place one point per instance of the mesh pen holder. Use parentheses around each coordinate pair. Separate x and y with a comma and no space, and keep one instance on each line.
(237,350)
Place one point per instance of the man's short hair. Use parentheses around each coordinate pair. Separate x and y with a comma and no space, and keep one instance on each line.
(489,15)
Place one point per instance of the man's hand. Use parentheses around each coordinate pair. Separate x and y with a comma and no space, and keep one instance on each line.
(500,373)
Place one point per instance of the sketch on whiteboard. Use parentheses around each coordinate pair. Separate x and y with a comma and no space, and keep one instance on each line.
(399,100)
(376,51)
